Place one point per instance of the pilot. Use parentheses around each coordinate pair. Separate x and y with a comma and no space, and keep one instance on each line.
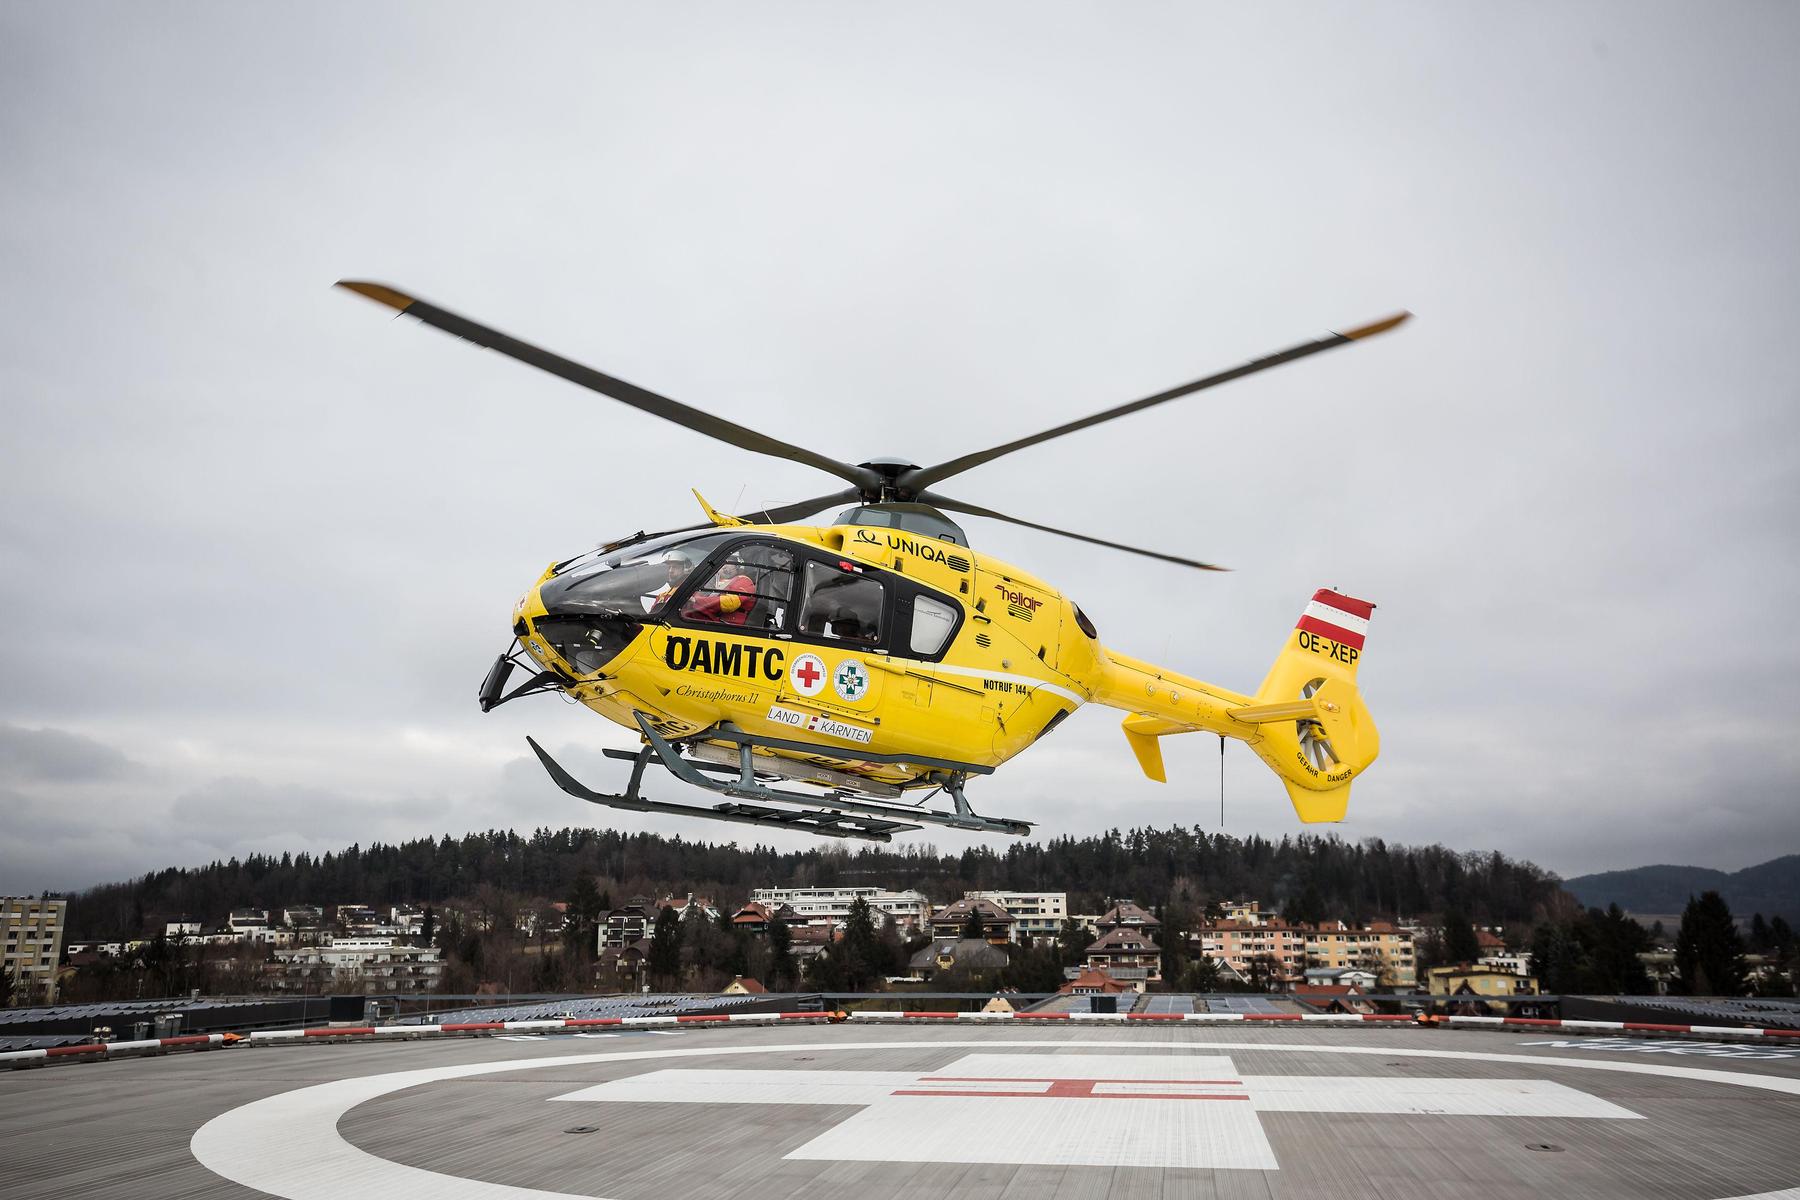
(678,566)
(728,601)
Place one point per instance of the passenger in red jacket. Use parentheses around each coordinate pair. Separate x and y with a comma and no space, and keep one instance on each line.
(728,601)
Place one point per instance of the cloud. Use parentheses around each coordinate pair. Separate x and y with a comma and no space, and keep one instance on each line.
(257,544)
(57,756)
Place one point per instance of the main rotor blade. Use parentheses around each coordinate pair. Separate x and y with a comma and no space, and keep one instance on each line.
(783,514)
(639,398)
(924,477)
(975,510)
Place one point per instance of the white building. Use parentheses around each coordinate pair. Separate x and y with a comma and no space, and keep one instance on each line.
(361,964)
(248,920)
(831,906)
(1512,964)
(1039,914)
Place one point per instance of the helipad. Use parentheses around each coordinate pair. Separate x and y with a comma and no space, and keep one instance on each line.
(874,1111)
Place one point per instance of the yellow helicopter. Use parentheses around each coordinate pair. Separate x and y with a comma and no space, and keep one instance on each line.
(879,660)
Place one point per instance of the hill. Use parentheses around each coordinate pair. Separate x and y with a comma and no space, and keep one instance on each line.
(1310,877)
(1772,888)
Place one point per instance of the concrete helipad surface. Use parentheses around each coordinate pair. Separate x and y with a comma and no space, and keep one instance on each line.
(879,1111)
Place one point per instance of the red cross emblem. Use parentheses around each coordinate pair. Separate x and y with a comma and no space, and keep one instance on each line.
(808,674)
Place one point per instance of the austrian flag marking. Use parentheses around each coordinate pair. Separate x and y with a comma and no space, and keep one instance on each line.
(1341,618)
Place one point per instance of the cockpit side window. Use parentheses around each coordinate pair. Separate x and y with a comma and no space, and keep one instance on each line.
(841,605)
(751,587)
(635,580)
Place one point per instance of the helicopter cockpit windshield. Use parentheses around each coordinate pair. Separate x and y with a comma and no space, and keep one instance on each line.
(632,581)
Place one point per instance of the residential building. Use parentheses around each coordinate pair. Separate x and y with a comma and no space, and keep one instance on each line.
(681,905)
(1379,946)
(1038,914)
(1279,946)
(1092,981)
(740,986)
(407,919)
(1516,964)
(950,953)
(831,906)
(303,916)
(1659,965)
(623,926)
(949,921)
(356,964)
(1473,981)
(623,967)
(248,921)
(1245,912)
(1353,977)
(1127,954)
(1126,915)
(753,918)
(810,941)
(1333,998)
(31,932)
(182,928)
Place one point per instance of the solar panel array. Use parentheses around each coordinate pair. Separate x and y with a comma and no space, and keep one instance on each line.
(656,1005)
(1063,1004)
(1777,1013)
(1240,1004)
(1168,1004)
(199,1012)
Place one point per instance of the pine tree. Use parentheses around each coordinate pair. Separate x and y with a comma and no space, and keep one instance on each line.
(1460,943)
(1072,942)
(972,926)
(584,911)
(1709,954)
(781,958)
(665,950)
(861,948)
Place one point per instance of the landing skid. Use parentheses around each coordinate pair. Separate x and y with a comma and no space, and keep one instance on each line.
(839,812)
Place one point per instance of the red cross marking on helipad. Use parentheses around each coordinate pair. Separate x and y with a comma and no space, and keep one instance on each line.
(1117,1089)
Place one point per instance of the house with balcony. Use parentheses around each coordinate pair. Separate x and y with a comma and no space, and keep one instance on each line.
(996,922)
(1126,954)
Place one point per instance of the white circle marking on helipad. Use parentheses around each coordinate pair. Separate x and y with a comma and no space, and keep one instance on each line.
(289,1146)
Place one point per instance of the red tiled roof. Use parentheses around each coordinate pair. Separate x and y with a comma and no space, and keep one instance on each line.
(1093,977)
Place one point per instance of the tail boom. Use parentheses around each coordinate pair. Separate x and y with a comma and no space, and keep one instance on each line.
(1307,721)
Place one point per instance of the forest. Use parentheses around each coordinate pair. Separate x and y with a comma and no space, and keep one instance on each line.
(1310,876)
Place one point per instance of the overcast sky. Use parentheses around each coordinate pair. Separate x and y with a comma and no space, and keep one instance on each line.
(258,543)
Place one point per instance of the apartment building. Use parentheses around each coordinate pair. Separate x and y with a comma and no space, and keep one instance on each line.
(1038,914)
(1237,943)
(1378,946)
(356,964)
(831,906)
(31,932)
(1289,950)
